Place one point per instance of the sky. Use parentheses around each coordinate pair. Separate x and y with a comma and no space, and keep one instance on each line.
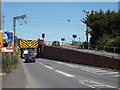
(51,18)
(60,0)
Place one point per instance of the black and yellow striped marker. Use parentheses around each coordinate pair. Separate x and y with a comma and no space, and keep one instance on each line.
(28,43)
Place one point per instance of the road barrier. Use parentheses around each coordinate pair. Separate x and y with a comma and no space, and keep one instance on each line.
(79,57)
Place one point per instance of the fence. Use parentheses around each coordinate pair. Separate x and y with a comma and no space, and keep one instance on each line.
(81,45)
(75,56)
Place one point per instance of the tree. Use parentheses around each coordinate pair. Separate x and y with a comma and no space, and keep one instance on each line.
(102,25)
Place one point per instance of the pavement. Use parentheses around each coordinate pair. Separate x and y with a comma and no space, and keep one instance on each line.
(15,79)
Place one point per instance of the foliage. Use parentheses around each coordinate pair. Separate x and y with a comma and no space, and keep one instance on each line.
(9,62)
(104,27)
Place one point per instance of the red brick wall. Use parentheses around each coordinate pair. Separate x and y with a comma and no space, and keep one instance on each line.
(79,57)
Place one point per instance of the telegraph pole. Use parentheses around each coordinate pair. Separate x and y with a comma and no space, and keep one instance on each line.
(3,21)
(0,15)
(22,17)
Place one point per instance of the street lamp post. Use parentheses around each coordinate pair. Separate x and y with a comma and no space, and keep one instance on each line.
(86,12)
(22,17)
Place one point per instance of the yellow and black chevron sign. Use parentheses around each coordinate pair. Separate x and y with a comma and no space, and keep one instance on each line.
(28,43)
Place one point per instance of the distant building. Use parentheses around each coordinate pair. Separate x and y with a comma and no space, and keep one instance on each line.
(119,6)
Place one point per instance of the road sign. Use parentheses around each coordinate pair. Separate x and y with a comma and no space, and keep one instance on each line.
(7,41)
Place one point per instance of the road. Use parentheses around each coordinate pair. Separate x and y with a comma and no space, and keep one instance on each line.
(54,74)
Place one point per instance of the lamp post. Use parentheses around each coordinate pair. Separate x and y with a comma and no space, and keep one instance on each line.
(22,17)
(86,12)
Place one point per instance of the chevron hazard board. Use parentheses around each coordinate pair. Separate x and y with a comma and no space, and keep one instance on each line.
(28,43)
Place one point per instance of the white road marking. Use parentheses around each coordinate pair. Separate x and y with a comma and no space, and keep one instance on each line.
(96,69)
(87,70)
(60,62)
(110,73)
(48,67)
(100,71)
(115,75)
(93,84)
(70,65)
(83,82)
(41,63)
(110,86)
(64,73)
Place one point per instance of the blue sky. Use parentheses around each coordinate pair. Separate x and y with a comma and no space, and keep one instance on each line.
(51,18)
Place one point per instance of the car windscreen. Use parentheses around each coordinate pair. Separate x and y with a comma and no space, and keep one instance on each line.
(29,55)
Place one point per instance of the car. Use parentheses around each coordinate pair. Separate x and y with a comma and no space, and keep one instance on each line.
(30,57)
(55,43)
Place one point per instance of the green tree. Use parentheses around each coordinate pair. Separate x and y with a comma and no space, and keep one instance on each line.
(103,26)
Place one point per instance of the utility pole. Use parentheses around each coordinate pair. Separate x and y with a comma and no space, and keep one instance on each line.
(0,15)
(22,17)
(3,21)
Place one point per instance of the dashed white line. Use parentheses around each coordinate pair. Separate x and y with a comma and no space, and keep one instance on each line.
(64,73)
(48,67)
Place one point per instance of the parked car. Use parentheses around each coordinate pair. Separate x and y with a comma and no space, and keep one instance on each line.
(30,57)
(55,43)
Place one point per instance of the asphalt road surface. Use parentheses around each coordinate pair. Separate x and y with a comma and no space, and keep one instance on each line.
(54,74)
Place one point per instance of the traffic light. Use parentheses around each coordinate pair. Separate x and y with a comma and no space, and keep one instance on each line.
(74,36)
(43,35)
(62,39)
